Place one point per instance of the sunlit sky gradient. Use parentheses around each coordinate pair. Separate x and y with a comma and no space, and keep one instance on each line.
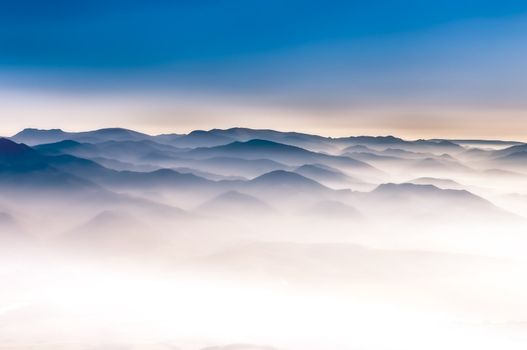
(411,68)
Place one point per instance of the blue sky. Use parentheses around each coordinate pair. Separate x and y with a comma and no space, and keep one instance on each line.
(323,56)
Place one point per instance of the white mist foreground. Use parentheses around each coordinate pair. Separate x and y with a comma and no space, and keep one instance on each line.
(324,293)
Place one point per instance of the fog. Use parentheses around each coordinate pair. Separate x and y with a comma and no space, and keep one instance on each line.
(290,242)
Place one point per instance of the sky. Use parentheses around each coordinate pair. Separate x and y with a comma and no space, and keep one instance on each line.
(410,68)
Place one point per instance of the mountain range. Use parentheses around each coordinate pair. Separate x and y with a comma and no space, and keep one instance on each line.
(242,171)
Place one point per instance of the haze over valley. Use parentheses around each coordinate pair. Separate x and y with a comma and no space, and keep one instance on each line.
(248,239)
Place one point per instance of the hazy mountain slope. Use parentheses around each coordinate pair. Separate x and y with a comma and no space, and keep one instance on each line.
(437,166)
(10,230)
(328,176)
(12,153)
(36,136)
(208,175)
(234,203)
(406,200)
(112,232)
(290,155)
(70,147)
(438,182)
(380,143)
(485,143)
(201,138)
(23,165)
(24,169)
(514,161)
(286,180)
(127,151)
(230,166)
(311,142)
(330,209)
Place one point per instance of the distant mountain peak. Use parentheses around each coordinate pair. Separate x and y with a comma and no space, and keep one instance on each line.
(287,178)
(35,130)
(425,189)
(63,143)
(236,202)
(260,142)
(282,174)
(239,197)
(405,186)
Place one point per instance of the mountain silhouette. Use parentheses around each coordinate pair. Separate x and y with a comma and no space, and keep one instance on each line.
(438,182)
(12,153)
(263,149)
(407,200)
(286,179)
(327,175)
(332,209)
(37,136)
(235,203)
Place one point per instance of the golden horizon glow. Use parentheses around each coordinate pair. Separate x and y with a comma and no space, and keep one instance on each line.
(180,113)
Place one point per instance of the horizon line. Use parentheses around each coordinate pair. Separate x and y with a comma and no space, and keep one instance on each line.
(459,139)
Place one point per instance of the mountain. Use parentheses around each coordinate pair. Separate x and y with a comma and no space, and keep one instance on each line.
(357,148)
(108,220)
(290,155)
(201,138)
(370,141)
(332,209)
(327,175)
(311,142)
(513,157)
(127,151)
(235,203)
(22,168)
(110,230)
(427,202)
(424,192)
(12,153)
(208,175)
(167,138)
(67,147)
(112,134)
(516,162)
(435,147)
(376,158)
(230,166)
(438,182)
(163,178)
(485,143)
(286,180)
(438,166)
(8,225)
(510,151)
(36,136)
(380,143)
(22,165)
(217,137)
(11,232)
(401,153)
(118,165)
(475,154)
(288,191)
